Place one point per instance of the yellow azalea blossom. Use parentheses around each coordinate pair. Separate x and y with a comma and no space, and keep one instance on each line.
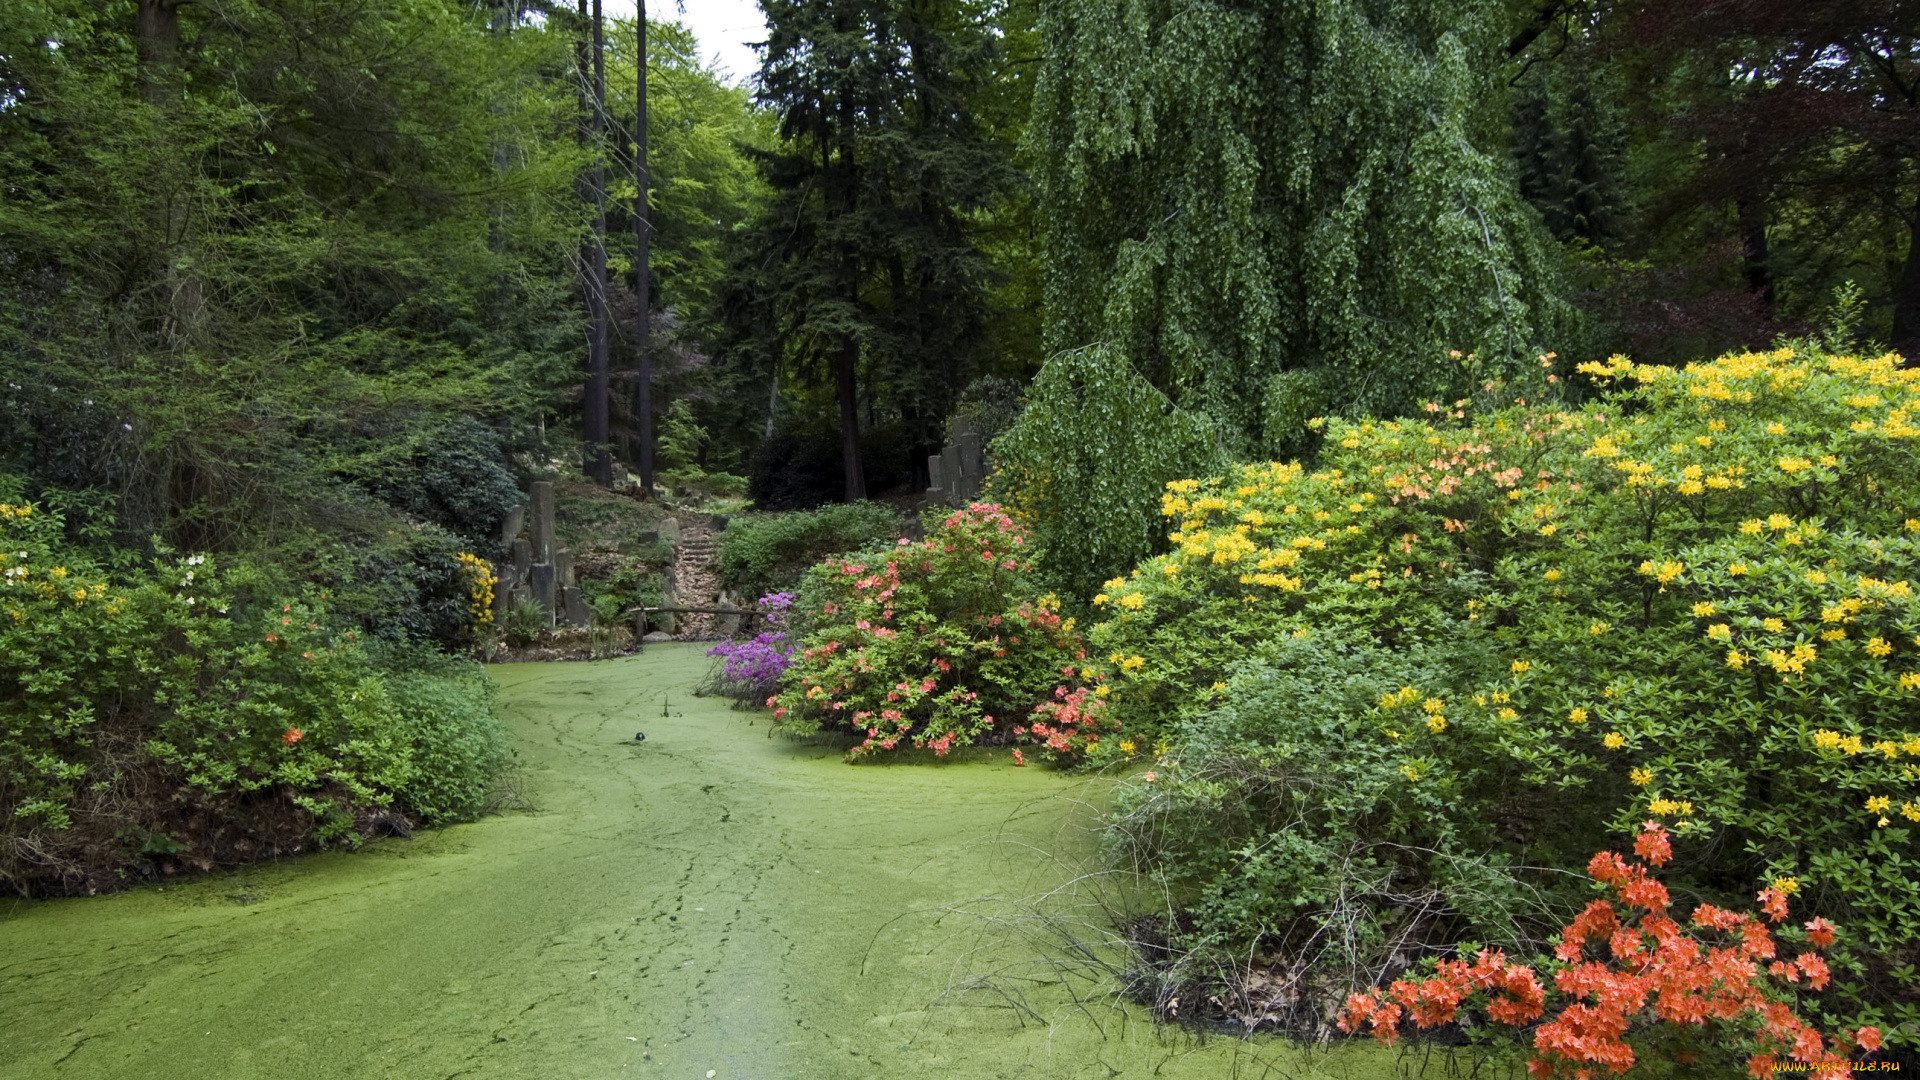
(1127,747)
(1779,521)
(1879,804)
(1133,601)
(1774,626)
(1596,628)
(1669,806)
(1737,569)
(1100,691)
(1576,716)
(1736,659)
(1750,526)
(1720,632)
(1521,667)
(1614,740)
(1703,609)
(1508,714)
(1436,723)
(1835,634)
(1553,575)
(1878,646)
(1787,886)
(1640,777)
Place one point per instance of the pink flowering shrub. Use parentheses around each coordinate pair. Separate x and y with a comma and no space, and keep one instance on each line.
(941,644)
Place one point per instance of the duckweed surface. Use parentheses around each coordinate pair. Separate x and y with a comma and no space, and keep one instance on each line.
(706,903)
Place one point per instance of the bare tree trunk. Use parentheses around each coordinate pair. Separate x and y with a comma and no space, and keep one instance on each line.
(643,272)
(1906,299)
(157,42)
(1753,244)
(843,375)
(594,427)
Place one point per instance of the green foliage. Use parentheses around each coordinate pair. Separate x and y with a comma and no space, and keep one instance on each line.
(761,555)
(445,711)
(525,621)
(1693,601)
(1233,192)
(939,644)
(861,274)
(1086,461)
(301,222)
(452,474)
(135,705)
(703,184)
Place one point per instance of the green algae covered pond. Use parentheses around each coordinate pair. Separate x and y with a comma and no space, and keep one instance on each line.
(709,903)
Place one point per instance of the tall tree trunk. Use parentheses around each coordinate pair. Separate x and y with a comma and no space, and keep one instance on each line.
(1906,301)
(1753,252)
(844,364)
(643,272)
(156,43)
(594,427)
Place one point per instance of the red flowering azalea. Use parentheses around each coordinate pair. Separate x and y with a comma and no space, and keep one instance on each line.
(1625,962)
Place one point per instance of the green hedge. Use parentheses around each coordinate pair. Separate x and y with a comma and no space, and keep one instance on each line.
(764,554)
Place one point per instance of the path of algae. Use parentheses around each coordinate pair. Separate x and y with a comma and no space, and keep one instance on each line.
(708,900)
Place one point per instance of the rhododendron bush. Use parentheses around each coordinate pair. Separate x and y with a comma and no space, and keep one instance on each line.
(1628,974)
(1493,638)
(941,644)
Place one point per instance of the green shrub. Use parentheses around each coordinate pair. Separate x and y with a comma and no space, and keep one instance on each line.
(761,555)
(940,644)
(1086,460)
(452,474)
(445,710)
(186,708)
(1691,602)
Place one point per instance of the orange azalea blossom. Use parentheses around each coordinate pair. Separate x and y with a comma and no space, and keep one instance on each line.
(1622,957)
(293,735)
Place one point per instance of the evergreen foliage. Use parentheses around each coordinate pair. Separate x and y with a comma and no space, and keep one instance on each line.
(860,275)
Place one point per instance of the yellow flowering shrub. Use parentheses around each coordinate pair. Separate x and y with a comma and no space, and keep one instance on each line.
(1695,599)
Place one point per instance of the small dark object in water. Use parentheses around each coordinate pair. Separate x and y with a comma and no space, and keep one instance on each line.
(639,736)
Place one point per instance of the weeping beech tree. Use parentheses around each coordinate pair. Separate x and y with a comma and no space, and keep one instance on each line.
(1280,209)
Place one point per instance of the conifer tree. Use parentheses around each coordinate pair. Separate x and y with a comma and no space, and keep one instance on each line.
(861,270)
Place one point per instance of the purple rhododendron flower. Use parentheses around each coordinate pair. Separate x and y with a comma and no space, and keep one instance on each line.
(752,668)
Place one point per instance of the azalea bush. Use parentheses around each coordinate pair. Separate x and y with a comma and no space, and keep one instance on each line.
(190,710)
(1629,980)
(1690,600)
(941,644)
(750,669)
